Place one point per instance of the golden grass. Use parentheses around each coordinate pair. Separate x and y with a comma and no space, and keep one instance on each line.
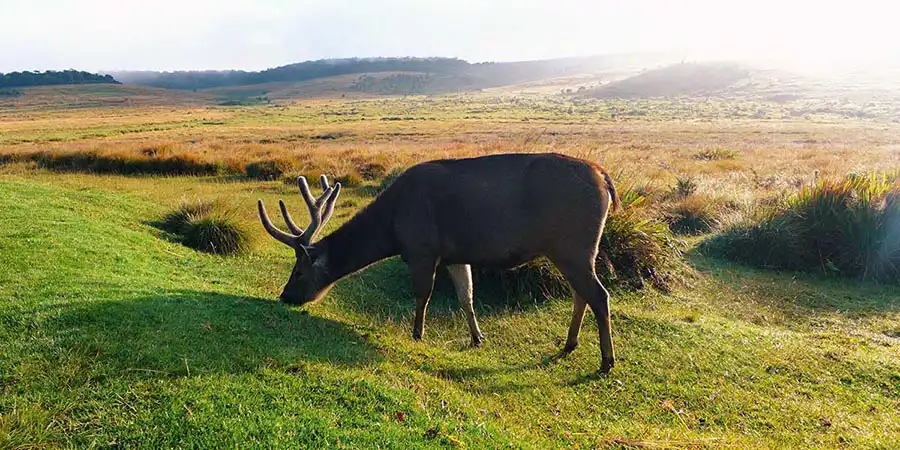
(339,137)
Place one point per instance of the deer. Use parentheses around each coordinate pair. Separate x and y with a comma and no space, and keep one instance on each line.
(500,210)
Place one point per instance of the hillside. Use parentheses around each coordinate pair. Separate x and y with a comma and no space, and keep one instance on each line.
(685,79)
(98,95)
(461,74)
(597,79)
(351,85)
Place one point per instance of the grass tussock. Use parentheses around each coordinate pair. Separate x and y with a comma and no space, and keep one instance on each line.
(270,169)
(389,178)
(848,227)
(716,154)
(693,215)
(371,171)
(350,179)
(635,250)
(210,227)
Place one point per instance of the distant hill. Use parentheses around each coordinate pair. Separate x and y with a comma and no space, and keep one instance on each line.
(411,75)
(52,78)
(685,79)
(99,95)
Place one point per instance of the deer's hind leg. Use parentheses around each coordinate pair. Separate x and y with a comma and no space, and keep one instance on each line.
(461,274)
(580,274)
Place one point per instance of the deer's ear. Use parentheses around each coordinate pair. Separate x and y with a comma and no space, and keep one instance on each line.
(303,253)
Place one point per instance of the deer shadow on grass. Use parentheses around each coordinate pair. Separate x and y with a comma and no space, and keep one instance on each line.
(186,332)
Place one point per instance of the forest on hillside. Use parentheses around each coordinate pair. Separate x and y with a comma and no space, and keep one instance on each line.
(473,75)
(52,77)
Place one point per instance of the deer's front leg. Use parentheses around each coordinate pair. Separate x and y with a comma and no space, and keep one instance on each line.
(422,273)
(461,275)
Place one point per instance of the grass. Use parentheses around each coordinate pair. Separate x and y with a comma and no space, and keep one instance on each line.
(122,338)
(114,334)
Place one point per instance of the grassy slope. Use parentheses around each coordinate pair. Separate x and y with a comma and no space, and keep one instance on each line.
(111,334)
(100,95)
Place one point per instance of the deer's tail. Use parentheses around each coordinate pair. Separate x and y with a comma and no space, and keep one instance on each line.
(611,187)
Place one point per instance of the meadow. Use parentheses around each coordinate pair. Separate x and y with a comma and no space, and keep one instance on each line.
(115,335)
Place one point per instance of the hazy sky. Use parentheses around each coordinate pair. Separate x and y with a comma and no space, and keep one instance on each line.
(222,34)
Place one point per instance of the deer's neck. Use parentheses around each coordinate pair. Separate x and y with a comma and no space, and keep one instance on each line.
(363,240)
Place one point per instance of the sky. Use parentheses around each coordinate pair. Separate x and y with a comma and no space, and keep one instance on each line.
(106,35)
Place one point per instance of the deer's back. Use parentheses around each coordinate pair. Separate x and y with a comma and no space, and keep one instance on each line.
(500,209)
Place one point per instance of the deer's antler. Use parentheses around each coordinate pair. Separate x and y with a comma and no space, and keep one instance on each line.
(320,210)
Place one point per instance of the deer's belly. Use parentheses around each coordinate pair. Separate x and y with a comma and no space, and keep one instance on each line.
(505,261)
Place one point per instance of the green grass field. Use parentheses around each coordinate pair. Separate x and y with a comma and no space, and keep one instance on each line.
(113,335)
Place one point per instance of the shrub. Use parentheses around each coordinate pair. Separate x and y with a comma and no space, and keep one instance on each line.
(538,279)
(220,235)
(390,177)
(385,182)
(716,154)
(848,227)
(158,150)
(693,215)
(350,179)
(124,164)
(178,221)
(685,186)
(634,251)
(371,171)
(271,169)
(209,226)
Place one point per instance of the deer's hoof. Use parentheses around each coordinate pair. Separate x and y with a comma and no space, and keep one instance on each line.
(417,335)
(477,341)
(606,365)
(569,348)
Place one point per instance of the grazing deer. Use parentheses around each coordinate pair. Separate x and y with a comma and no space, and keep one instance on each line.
(501,210)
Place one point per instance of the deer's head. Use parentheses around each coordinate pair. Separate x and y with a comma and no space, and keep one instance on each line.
(308,278)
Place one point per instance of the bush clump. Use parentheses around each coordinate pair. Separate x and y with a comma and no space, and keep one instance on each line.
(535,280)
(848,227)
(270,169)
(209,226)
(635,250)
(91,162)
(716,154)
(371,171)
(697,214)
(391,176)
(387,180)
(685,187)
(350,179)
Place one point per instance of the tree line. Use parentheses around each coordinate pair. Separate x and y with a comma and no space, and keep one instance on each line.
(52,77)
(439,70)
(303,71)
